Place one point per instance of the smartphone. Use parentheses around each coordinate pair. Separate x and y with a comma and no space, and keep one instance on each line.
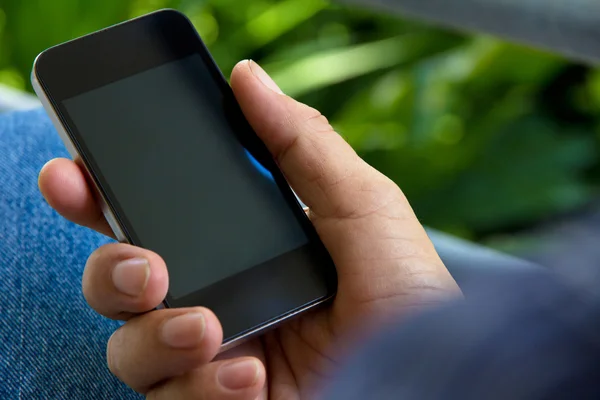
(177,169)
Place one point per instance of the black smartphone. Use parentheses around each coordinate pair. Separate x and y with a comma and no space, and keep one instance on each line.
(177,169)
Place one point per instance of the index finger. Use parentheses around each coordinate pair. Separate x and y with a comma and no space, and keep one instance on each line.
(65,187)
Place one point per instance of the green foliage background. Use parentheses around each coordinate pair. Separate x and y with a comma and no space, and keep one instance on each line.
(484,137)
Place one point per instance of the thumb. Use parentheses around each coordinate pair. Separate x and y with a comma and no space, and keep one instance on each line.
(379,247)
(319,164)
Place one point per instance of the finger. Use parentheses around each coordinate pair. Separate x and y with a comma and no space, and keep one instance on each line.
(121,280)
(163,344)
(252,348)
(320,165)
(236,379)
(63,185)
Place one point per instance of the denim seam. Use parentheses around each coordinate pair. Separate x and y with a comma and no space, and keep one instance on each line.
(22,340)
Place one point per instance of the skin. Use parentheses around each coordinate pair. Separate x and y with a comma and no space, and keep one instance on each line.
(387,268)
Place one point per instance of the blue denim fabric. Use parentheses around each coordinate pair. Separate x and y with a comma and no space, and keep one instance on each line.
(52,345)
(520,337)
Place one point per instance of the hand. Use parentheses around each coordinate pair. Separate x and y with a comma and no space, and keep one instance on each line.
(386,267)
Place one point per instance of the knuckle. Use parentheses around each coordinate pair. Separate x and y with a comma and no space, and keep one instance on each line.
(373,194)
(123,352)
(89,297)
(306,123)
(102,254)
(316,122)
(93,259)
(110,354)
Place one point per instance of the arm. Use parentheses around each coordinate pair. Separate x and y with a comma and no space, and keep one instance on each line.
(525,337)
(567,27)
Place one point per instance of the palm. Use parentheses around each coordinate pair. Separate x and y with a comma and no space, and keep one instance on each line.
(300,355)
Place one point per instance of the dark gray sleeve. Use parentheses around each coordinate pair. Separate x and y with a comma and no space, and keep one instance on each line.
(568,27)
(520,337)
(470,263)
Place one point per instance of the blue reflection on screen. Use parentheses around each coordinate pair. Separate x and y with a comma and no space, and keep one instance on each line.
(264,172)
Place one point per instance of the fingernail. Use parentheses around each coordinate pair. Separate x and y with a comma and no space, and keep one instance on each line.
(238,375)
(131,276)
(184,331)
(264,77)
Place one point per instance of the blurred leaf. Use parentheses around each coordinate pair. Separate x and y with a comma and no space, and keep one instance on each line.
(206,24)
(280,18)
(12,77)
(333,66)
(527,172)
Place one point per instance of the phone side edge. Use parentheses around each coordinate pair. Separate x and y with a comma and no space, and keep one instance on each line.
(64,136)
(236,341)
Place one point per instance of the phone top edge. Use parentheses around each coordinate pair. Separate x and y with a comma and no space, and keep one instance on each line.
(91,60)
(50,49)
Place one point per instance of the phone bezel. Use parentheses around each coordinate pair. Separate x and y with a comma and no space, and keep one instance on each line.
(123,50)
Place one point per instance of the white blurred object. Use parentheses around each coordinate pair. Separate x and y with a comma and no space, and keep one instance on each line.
(13,100)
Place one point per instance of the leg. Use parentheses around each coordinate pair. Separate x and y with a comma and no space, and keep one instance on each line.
(53,344)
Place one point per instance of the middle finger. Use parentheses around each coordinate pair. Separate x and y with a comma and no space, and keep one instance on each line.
(121,280)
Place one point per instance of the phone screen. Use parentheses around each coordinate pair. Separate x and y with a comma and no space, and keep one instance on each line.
(187,185)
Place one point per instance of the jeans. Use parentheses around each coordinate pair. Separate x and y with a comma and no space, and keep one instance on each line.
(52,344)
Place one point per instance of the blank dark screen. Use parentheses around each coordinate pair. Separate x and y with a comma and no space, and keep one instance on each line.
(188,188)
